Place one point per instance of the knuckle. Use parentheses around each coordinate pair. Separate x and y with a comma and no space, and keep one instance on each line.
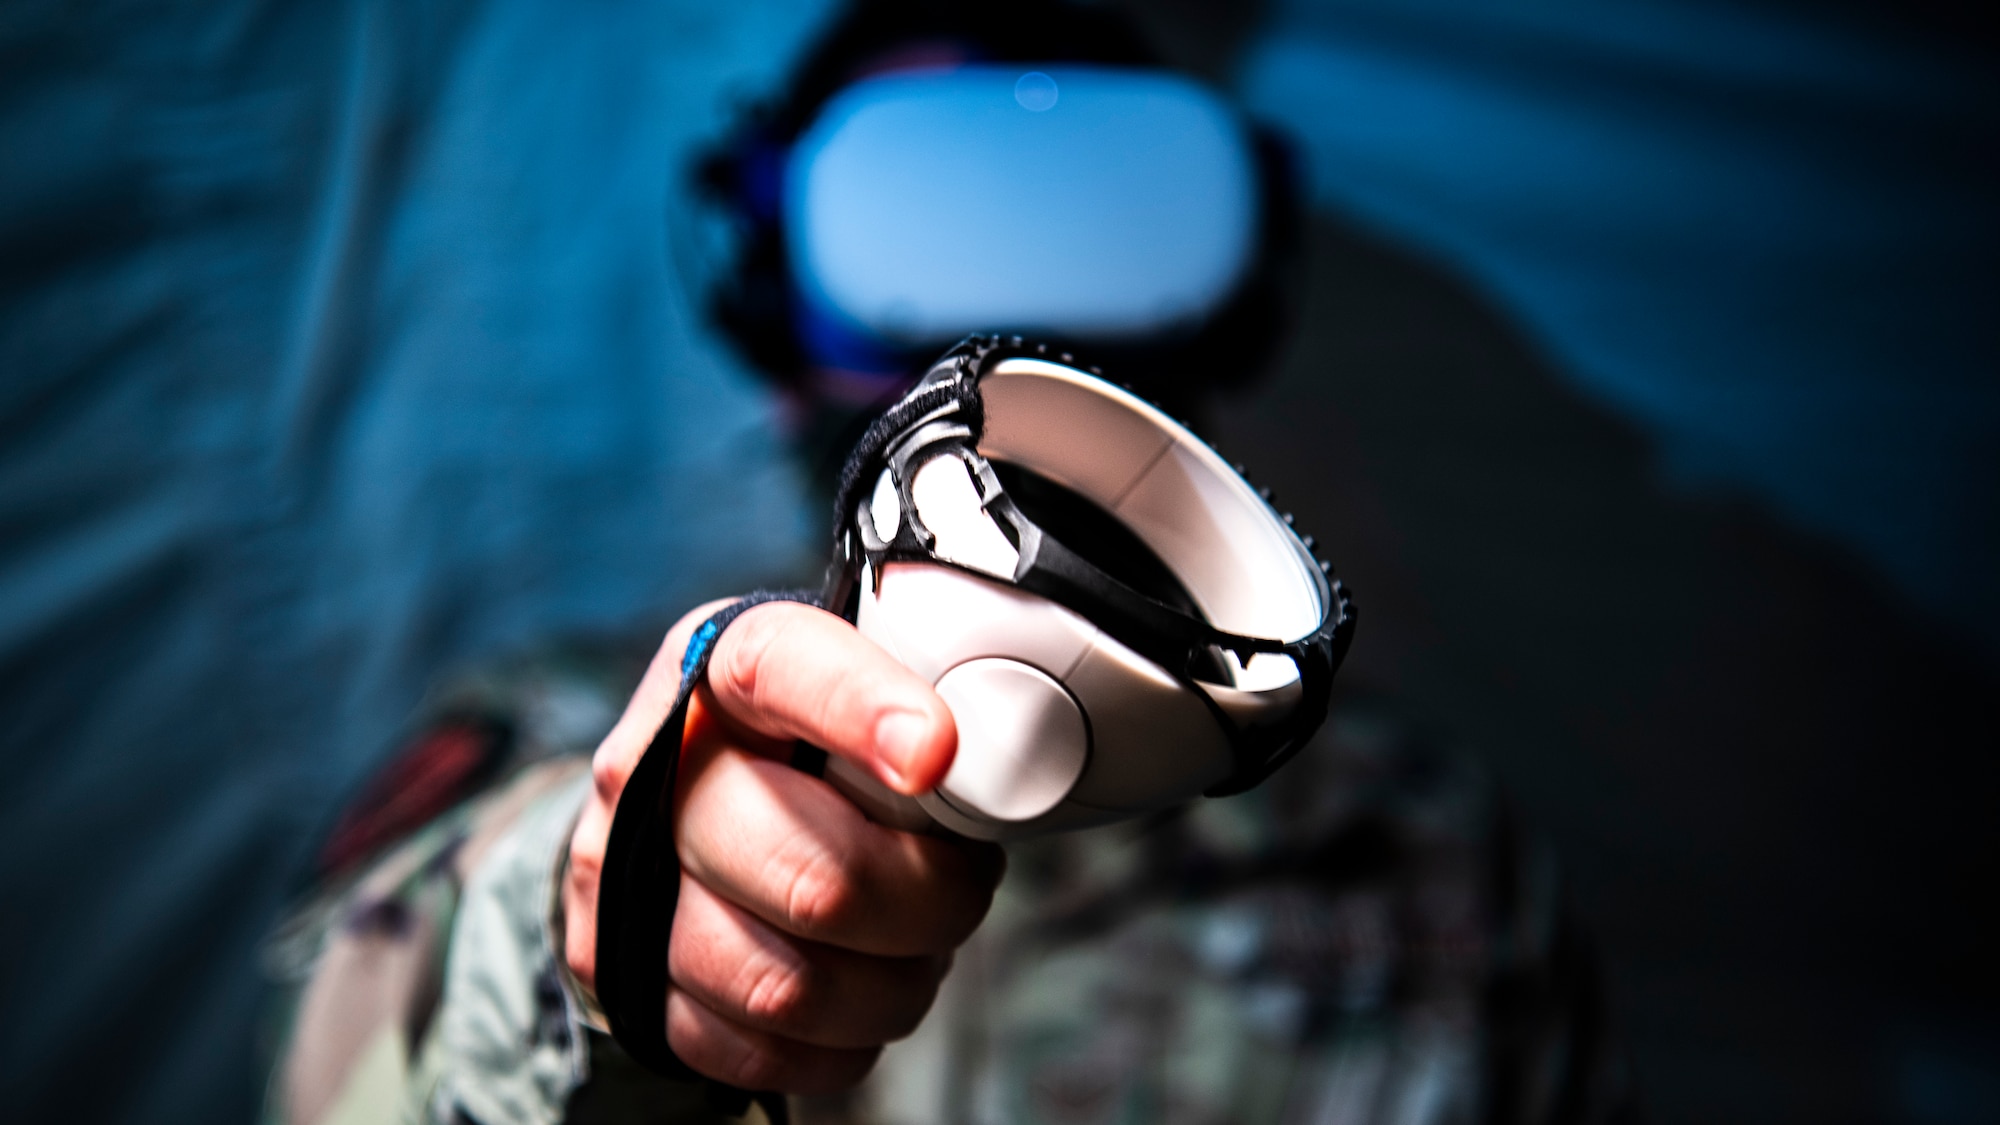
(756,1066)
(820,897)
(608,772)
(752,639)
(779,995)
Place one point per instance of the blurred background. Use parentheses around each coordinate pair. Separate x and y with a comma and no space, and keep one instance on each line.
(1643,385)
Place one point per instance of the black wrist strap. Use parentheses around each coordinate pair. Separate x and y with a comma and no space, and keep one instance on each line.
(640,885)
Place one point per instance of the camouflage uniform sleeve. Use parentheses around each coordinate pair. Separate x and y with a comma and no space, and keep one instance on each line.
(1369,937)
(427,990)
(430,987)
(506,1046)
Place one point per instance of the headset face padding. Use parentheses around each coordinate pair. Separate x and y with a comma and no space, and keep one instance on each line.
(1062,723)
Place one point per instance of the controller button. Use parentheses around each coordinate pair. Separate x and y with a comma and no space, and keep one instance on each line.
(1022,742)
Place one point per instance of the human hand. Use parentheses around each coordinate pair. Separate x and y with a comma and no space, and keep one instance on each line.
(806,935)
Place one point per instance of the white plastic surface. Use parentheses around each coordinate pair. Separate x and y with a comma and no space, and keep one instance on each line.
(1239,563)
(1154,743)
(1022,743)
(1039,417)
(1150,742)
(932,617)
(948,504)
(885,508)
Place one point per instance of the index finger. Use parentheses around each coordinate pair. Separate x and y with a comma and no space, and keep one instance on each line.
(791,671)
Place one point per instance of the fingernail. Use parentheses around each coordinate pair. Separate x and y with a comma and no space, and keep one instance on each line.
(899,738)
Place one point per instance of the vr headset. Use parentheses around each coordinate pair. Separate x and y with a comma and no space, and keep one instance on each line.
(1021,167)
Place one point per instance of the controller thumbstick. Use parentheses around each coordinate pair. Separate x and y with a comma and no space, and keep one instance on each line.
(1022,741)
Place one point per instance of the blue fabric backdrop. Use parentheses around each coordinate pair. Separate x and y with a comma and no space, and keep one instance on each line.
(344,342)
(341,343)
(1768,235)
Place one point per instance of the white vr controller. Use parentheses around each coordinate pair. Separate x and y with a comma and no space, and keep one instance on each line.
(1118,621)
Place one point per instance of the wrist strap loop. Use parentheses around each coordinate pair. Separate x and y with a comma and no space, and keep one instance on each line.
(640,886)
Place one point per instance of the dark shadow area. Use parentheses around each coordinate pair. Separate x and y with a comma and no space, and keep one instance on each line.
(1769,785)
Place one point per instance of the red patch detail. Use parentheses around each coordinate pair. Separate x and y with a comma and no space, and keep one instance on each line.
(439,770)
